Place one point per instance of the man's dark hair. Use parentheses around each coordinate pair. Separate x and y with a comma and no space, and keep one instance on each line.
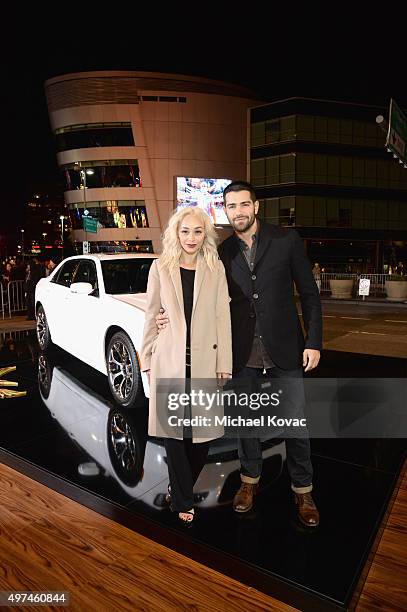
(240,186)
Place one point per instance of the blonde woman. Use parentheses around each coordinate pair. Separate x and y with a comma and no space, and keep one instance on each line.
(188,280)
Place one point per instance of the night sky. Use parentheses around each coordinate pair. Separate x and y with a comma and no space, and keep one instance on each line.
(275,63)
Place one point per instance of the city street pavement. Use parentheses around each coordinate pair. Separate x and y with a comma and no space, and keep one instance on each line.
(367,329)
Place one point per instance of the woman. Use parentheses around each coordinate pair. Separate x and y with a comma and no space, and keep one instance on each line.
(188,281)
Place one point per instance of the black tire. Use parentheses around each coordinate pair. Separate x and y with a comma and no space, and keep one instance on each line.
(45,371)
(123,371)
(43,333)
(126,442)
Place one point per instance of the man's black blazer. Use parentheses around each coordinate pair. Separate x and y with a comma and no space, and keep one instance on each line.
(267,293)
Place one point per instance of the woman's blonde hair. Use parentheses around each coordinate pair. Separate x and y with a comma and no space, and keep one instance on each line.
(172,249)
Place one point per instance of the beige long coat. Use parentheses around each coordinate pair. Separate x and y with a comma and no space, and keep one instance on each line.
(211,337)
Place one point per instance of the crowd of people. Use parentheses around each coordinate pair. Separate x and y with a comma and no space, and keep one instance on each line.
(30,271)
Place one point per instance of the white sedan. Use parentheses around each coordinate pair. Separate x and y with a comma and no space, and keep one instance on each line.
(92,306)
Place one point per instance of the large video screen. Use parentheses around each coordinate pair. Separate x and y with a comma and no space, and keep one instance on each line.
(207,193)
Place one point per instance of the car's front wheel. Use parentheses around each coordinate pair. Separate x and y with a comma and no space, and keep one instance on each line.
(43,333)
(123,370)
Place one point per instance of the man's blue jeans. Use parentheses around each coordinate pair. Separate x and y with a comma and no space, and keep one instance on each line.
(298,449)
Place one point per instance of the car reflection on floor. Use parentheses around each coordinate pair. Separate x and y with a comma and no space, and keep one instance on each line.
(116,440)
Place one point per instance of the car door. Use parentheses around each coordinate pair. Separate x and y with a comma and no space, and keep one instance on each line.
(56,304)
(87,313)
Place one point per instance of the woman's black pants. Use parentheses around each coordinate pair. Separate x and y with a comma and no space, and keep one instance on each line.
(185,460)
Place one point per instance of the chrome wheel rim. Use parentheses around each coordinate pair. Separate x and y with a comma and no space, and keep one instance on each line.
(123,443)
(41,328)
(42,372)
(120,368)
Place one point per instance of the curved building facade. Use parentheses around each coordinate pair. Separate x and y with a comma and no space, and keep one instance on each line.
(122,138)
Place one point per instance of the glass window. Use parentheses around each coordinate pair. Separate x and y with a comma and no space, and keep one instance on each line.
(345,213)
(371,134)
(111,214)
(305,168)
(394,175)
(273,210)
(273,131)
(346,131)
(304,211)
(357,212)
(333,130)
(370,170)
(358,170)
(346,170)
(369,214)
(305,127)
(272,170)
(321,171)
(321,129)
(258,167)
(66,273)
(358,133)
(287,128)
(258,134)
(287,168)
(287,210)
(106,174)
(332,212)
(91,137)
(382,173)
(86,273)
(123,276)
(320,212)
(333,170)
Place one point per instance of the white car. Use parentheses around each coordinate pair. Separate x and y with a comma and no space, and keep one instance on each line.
(92,306)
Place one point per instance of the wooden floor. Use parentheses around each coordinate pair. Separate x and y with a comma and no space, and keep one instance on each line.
(50,543)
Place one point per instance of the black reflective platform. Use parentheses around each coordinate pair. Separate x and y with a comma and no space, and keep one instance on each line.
(68,434)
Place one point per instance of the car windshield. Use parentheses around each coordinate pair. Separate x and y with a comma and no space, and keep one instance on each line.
(126,275)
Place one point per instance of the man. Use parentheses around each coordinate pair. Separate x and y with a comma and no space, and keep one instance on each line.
(35,271)
(262,261)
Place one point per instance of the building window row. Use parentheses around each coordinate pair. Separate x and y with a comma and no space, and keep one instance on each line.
(328,170)
(181,99)
(312,211)
(97,135)
(110,173)
(117,214)
(316,129)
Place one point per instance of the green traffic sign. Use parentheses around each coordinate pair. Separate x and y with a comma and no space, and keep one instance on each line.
(90,225)
(397,133)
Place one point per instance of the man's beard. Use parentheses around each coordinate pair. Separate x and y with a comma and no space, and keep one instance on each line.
(249,222)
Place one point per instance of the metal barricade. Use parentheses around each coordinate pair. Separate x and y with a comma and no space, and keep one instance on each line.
(2,300)
(16,297)
(377,283)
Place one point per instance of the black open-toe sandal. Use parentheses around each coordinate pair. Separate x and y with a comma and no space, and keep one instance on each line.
(186,523)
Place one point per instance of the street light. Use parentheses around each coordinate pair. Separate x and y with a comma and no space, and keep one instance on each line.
(22,243)
(83,174)
(62,233)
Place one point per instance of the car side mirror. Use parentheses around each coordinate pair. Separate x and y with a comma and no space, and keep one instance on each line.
(81,288)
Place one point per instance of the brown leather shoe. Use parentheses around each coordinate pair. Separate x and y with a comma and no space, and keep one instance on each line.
(243,500)
(307,512)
